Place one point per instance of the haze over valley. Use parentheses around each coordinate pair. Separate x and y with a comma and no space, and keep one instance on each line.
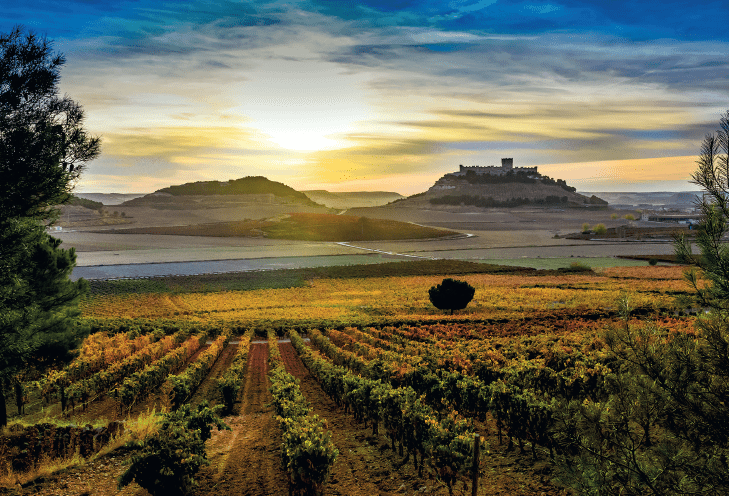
(194,229)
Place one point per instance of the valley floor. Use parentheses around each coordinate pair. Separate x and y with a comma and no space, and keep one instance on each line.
(103,256)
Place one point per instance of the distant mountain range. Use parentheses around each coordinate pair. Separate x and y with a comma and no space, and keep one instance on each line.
(109,198)
(352,199)
(657,199)
(259,187)
(446,187)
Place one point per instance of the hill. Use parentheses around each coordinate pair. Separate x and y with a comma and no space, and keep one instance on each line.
(109,198)
(216,194)
(352,199)
(250,185)
(86,203)
(510,188)
(303,226)
(652,199)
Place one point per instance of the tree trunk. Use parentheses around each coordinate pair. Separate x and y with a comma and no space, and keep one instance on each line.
(64,399)
(3,411)
(19,396)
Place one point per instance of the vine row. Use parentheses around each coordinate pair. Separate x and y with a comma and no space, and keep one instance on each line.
(307,450)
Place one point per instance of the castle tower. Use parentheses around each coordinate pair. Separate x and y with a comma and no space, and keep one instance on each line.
(507,164)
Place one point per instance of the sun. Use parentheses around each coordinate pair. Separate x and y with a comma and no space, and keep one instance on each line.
(303,141)
(304,106)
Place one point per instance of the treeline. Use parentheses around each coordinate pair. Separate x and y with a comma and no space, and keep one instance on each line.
(251,185)
(514,177)
(83,202)
(482,202)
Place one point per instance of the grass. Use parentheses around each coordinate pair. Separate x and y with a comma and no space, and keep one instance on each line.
(46,419)
(44,468)
(294,278)
(144,425)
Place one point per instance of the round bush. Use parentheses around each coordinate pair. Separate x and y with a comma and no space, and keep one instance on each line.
(451,295)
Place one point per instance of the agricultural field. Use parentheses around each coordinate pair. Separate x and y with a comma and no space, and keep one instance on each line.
(366,385)
(304,227)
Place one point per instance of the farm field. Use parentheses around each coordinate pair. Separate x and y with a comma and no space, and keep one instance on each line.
(105,255)
(305,227)
(371,356)
(493,234)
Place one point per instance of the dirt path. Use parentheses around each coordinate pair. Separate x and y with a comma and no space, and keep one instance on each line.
(246,460)
(365,465)
(208,390)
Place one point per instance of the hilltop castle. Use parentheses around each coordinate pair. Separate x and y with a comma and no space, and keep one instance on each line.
(505,186)
(507,165)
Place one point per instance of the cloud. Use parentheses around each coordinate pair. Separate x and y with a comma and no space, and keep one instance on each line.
(145,150)
(160,157)
(371,157)
(653,174)
(389,88)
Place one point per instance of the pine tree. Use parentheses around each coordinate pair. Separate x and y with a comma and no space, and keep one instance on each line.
(662,429)
(43,149)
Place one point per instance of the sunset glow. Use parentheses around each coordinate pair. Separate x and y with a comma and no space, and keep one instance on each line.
(610,96)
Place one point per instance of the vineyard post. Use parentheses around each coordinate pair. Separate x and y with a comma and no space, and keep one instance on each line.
(474,474)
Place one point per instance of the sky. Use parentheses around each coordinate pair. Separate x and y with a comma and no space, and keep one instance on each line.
(612,95)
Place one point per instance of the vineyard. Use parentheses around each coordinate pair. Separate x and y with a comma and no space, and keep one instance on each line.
(343,386)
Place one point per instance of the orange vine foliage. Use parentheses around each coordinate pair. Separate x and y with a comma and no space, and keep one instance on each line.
(346,300)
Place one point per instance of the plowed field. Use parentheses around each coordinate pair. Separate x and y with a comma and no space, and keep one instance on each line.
(246,459)
(367,466)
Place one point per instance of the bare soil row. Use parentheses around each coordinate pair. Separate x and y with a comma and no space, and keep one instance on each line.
(246,459)
(367,466)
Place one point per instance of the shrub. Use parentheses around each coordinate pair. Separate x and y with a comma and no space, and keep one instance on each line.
(585,228)
(308,454)
(232,381)
(652,261)
(629,217)
(451,295)
(307,451)
(169,460)
(600,229)
(577,267)
(613,216)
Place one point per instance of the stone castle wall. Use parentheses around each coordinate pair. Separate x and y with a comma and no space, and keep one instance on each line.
(507,165)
